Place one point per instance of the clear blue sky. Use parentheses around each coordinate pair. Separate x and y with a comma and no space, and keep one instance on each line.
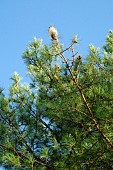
(21,20)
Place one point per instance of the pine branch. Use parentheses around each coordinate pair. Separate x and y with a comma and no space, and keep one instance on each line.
(86,103)
(38,160)
(14,151)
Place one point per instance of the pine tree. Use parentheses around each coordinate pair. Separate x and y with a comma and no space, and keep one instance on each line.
(63,118)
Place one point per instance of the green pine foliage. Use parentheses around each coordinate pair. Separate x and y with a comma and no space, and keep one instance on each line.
(62,119)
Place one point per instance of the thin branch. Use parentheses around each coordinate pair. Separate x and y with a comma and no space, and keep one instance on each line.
(68,48)
(14,151)
(86,103)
